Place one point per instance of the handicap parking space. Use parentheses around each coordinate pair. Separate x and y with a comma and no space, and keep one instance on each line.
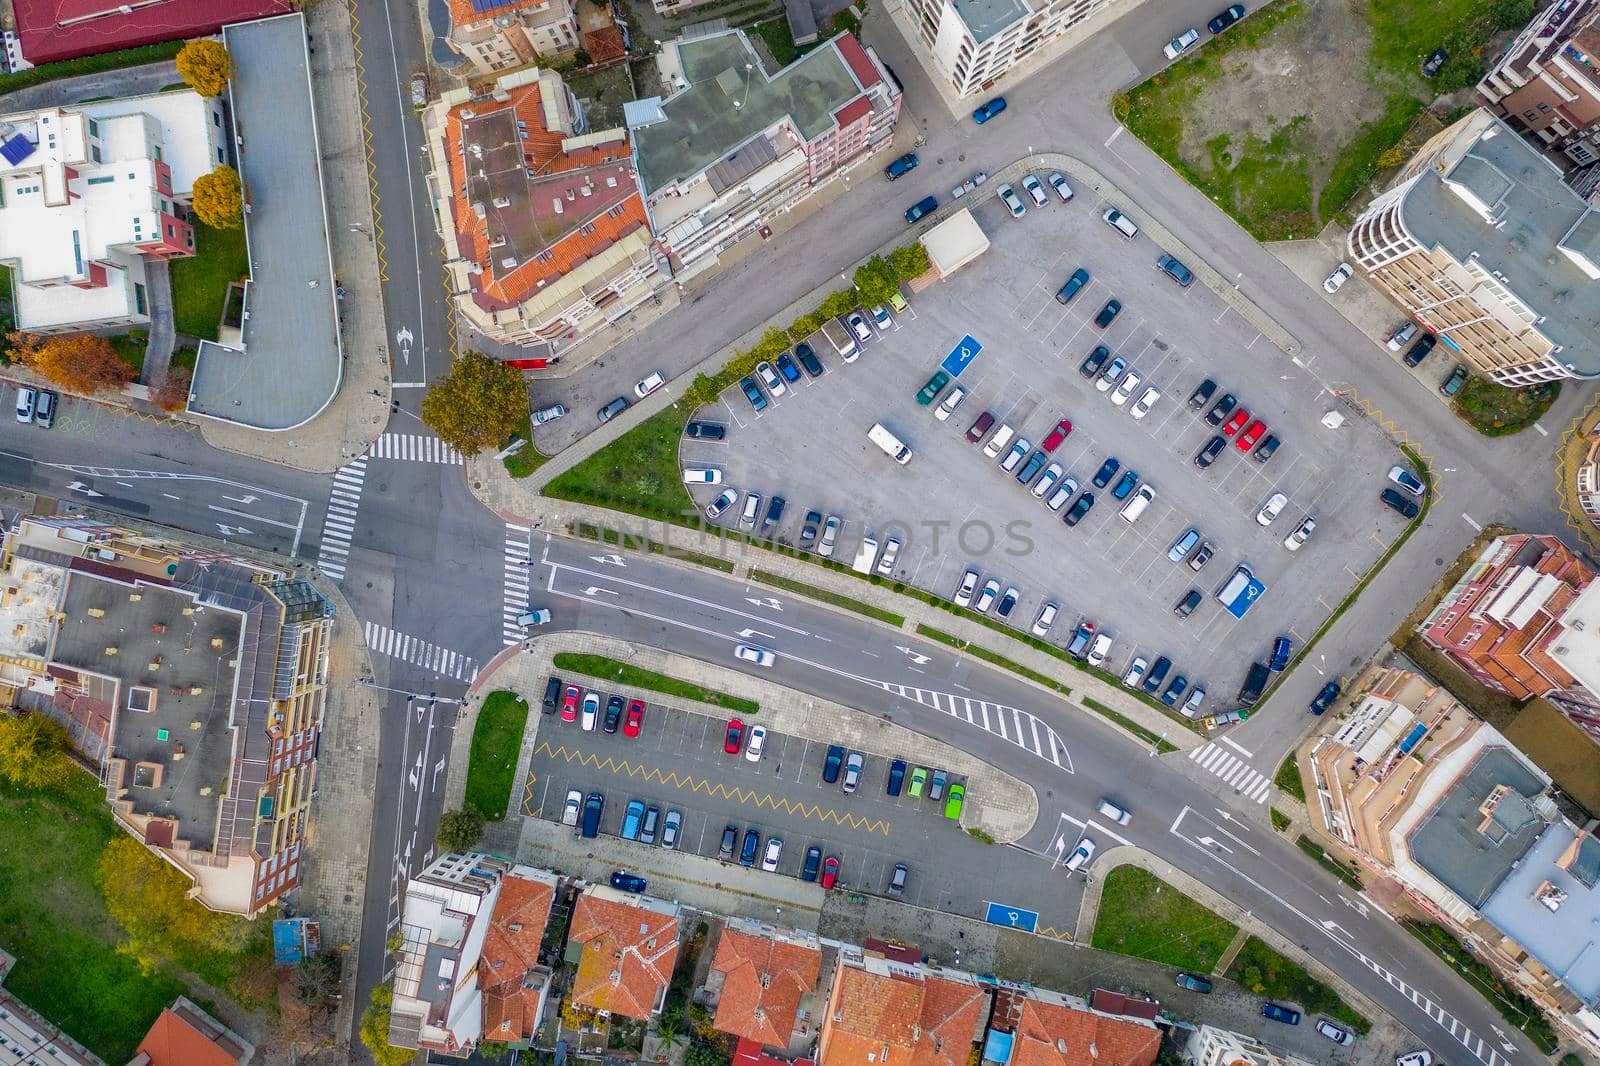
(953,508)
(678,763)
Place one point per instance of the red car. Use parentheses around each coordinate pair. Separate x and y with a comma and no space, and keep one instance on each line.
(1248,438)
(635,719)
(1236,423)
(830,871)
(734,737)
(1057,435)
(569,703)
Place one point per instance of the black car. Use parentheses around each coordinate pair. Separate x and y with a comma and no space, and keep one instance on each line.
(1006,604)
(1419,351)
(552,690)
(774,514)
(730,838)
(1226,18)
(1079,509)
(1404,504)
(813,863)
(1125,487)
(1175,270)
(1157,674)
(1265,449)
(1202,393)
(612,409)
(753,393)
(1325,698)
(1194,983)
(626,882)
(1453,383)
(1094,361)
(705,431)
(1108,314)
(613,714)
(1079,279)
(752,845)
(897,776)
(1185,607)
(593,808)
(1208,454)
(1431,65)
(1107,471)
(808,359)
(831,763)
(808,532)
(1175,691)
(1222,409)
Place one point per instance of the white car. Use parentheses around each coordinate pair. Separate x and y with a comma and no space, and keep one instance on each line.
(1014,456)
(1064,492)
(951,401)
(1407,480)
(881,319)
(716,507)
(1098,650)
(769,862)
(1271,509)
(1181,43)
(1046,619)
(769,377)
(751,654)
(1082,855)
(1415,1058)
(702,475)
(858,326)
(1047,481)
(758,741)
(1301,534)
(891,552)
(1335,1033)
(1130,381)
(1135,672)
(1115,813)
(1142,406)
(1333,282)
(549,414)
(591,711)
(1035,191)
(26,398)
(1191,706)
(649,385)
(969,584)
(986,598)
(830,536)
(1059,184)
(1008,196)
(569,812)
(1109,376)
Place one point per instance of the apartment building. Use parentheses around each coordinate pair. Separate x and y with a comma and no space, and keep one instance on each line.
(627,946)
(1546,85)
(185,1035)
(195,680)
(545,232)
(90,193)
(1481,241)
(763,985)
(1211,1046)
(972,43)
(734,147)
(496,35)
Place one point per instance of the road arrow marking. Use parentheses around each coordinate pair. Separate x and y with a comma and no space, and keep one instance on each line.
(1355,905)
(1336,927)
(78,486)
(609,560)
(916,657)
(232,531)
(242,499)
(402,337)
(756,633)
(593,590)
(764,601)
(1213,842)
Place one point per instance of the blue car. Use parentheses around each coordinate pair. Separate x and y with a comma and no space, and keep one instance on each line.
(753,393)
(1286,1015)
(1281,649)
(1130,478)
(1325,698)
(987,111)
(631,819)
(920,208)
(901,167)
(787,368)
(1107,471)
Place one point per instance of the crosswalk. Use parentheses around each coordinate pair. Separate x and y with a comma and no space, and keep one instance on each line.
(344,501)
(1234,771)
(441,661)
(416,448)
(1012,724)
(519,550)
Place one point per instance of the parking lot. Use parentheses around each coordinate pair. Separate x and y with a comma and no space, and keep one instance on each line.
(953,508)
(678,763)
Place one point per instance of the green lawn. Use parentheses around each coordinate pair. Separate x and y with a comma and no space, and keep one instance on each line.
(184,358)
(496,743)
(1142,916)
(1288,778)
(775,33)
(637,473)
(5,303)
(71,68)
(1496,411)
(1266,973)
(527,459)
(1342,871)
(200,282)
(628,676)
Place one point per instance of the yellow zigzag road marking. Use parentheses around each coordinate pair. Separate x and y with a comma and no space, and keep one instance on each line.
(716,790)
(1395,430)
(366,128)
(1054,934)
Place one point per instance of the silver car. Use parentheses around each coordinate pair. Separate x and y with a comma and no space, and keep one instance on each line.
(852,771)
(830,536)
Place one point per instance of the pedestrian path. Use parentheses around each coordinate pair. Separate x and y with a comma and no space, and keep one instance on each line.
(518,553)
(339,525)
(443,661)
(415,448)
(1234,771)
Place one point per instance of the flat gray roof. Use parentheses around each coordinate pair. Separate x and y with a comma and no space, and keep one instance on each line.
(291,364)
(985,18)
(1567,940)
(703,125)
(1447,842)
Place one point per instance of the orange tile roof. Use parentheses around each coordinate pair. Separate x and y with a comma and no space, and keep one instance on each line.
(604,45)
(510,950)
(763,982)
(173,1041)
(1053,1035)
(898,1020)
(628,956)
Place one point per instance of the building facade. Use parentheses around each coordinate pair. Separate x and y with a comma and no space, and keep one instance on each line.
(1211,1046)
(1481,241)
(497,35)
(1546,86)
(973,42)
(734,147)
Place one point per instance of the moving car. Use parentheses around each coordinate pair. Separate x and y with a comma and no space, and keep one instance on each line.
(1110,810)
(1226,18)
(1008,196)
(1335,281)
(1407,480)
(901,167)
(718,506)
(1035,191)
(612,409)
(984,112)
(1059,184)
(1271,509)
(733,737)
(591,711)
(757,742)
(705,431)
(934,384)
(1081,856)
(1324,699)
(1175,270)
(922,207)
(1194,984)
(1181,43)
(1064,295)
(626,882)
(1286,1015)
(1403,504)
(769,861)
(1337,1034)
(1108,314)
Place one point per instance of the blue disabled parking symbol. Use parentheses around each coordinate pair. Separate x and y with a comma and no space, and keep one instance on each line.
(961,355)
(1012,917)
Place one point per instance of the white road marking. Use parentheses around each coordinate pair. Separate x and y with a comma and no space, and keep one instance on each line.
(386,641)
(415,447)
(339,524)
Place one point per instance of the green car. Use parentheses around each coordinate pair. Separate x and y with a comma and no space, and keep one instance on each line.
(952,806)
(931,389)
(919,777)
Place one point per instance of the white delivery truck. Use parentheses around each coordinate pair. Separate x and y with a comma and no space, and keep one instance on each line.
(892,446)
(866,556)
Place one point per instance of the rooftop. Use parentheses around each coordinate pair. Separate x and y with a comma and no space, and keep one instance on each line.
(1471,854)
(1577,649)
(726,98)
(64,29)
(1058,1031)
(630,946)
(764,980)
(466,12)
(985,18)
(511,989)
(185,1035)
(892,1014)
(1551,912)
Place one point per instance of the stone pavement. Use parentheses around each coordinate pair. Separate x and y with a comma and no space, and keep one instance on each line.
(158,348)
(125,81)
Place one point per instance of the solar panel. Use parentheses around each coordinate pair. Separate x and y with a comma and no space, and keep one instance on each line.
(483,7)
(16,148)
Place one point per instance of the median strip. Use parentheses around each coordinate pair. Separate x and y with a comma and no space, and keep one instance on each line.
(826,596)
(600,666)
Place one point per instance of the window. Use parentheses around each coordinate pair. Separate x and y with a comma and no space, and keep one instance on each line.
(94,153)
(94,128)
(104,179)
(1544,107)
(216,119)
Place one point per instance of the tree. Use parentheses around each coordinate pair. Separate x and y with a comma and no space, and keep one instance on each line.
(173,395)
(219,198)
(477,404)
(910,261)
(81,362)
(459,830)
(33,751)
(582,58)
(875,280)
(205,66)
(698,1054)
(375,1030)
(316,979)
(150,900)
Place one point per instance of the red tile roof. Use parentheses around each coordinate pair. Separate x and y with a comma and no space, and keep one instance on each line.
(510,950)
(65,29)
(749,1053)
(604,45)
(628,955)
(858,108)
(763,982)
(1053,1035)
(895,1019)
(174,1041)
(856,57)
(1103,999)
(462,13)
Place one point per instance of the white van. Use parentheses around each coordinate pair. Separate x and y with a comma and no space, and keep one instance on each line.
(866,555)
(1135,507)
(1121,223)
(892,446)
(1001,438)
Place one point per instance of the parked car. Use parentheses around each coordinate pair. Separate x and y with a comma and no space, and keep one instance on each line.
(986,598)
(1073,286)
(1252,433)
(750,848)
(549,414)
(1455,382)
(612,409)
(926,394)
(1107,471)
(648,827)
(1108,314)
(702,475)
(1271,509)
(632,818)
(1181,43)
(897,776)
(573,807)
(44,414)
(980,426)
(1078,509)
(1405,505)
(1282,648)
(717,507)
(756,744)
(897,881)
(774,853)
(1236,423)
(1226,18)
(924,206)
(730,839)
(951,401)
(1335,281)
(1185,606)
(733,737)
(1435,61)
(858,326)
(984,112)
(1059,184)
(1301,534)
(633,722)
(832,762)
(1337,1034)
(1419,351)
(1081,856)
(1209,451)
(1046,619)
(1222,409)
(1286,1015)
(853,764)
(593,808)
(786,366)
(952,805)
(1174,690)
(1407,480)
(1008,196)
(901,167)
(569,703)
(809,360)
(1202,394)
(1130,381)
(649,384)
(1402,336)
(1130,479)
(705,431)
(1111,374)
(1202,555)
(1324,698)
(1266,449)
(936,785)
(753,393)
(1142,405)
(812,864)
(552,693)
(1183,545)
(1175,270)
(1135,672)
(1094,361)
(964,591)
(830,871)
(626,882)
(591,711)
(1194,984)
(830,536)
(1035,191)
(613,716)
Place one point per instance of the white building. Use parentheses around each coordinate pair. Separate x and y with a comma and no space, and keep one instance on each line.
(973,42)
(1210,1046)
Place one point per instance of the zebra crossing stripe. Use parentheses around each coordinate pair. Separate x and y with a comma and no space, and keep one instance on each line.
(427,655)
(416,448)
(339,521)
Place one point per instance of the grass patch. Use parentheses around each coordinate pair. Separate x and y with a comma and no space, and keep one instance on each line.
(623,540)
(775,33)
(1342,871)
(827,596)
(200,282)
(525,460)
(496,742)
(7,321)
(979,835)
(184,358)
(1267,973)
(1288,778)
(1496,411)
(636,474)
(1513,1006)
(1142,916)
(71,68)
(131,348)
(1162,745)
(1280,821)
(635,677)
